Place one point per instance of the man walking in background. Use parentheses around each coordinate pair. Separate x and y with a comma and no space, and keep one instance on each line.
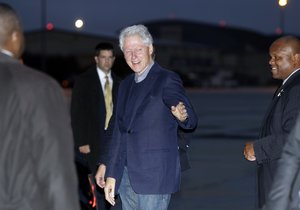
(93,100)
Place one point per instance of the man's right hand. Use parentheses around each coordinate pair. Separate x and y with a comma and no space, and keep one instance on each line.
(249,151)
(109,190)
(85,149)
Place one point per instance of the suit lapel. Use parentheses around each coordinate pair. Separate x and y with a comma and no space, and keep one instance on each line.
(97,92)
(115,87)
(95,81)
(268,115)
(277,95)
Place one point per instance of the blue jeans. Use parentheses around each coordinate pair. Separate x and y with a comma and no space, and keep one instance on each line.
(134,201)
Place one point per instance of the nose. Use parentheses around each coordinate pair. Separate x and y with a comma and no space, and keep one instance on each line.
(134,55)
(271,61)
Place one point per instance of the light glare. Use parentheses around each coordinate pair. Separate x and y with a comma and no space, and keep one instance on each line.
(78,23)
(282,3)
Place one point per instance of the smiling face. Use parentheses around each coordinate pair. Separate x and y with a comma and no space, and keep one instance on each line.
(138,55)
(283,59)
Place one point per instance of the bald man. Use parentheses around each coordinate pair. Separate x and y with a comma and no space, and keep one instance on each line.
(36,153)
(281,116)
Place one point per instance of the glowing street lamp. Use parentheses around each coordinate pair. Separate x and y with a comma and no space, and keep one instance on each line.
(282,4)
(79,23)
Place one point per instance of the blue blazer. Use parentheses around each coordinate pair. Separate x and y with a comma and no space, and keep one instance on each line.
(146,140)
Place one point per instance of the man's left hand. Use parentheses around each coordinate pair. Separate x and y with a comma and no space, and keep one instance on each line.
(180,112)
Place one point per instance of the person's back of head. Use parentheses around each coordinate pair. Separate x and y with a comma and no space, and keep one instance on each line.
(11,34)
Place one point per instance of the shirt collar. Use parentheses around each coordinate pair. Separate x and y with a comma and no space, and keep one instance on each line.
(140,77)
(284,81)
(102,74)
(6,52)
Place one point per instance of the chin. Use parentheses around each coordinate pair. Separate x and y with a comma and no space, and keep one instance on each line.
(136,70)
(276,77)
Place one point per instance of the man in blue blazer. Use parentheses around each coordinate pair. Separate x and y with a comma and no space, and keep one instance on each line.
(281,115)
(144,164)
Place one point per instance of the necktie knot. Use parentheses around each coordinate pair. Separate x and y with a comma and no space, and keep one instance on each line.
(106,82)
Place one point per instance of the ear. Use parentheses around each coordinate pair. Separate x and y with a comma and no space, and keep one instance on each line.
(15,36)
(151,49)
(15,43)
(96,59)
(296,59)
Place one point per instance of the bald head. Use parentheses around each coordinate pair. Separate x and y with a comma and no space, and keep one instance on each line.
(289,41)
(11,35)
(285,57)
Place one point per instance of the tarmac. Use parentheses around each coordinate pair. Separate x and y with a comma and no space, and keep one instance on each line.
(220,177)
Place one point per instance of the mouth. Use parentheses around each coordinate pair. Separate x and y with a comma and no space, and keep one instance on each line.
(273,69)
(135,62)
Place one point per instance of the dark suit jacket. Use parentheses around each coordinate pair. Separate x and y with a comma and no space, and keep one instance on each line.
(284,194)
(88,115)
(145,133)
(279,121)
(36,154)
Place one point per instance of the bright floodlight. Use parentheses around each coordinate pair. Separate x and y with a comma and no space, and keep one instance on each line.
(78,23)
(282,3)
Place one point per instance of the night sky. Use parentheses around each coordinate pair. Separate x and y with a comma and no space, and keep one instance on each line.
(107,17)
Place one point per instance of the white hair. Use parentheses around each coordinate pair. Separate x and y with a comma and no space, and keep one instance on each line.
(139,30)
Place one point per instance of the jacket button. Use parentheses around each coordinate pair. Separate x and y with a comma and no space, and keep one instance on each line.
(129,131)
